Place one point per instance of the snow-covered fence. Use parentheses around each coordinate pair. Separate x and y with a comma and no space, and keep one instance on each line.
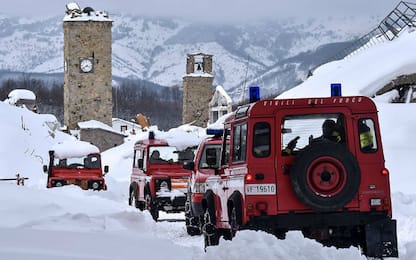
(19,180)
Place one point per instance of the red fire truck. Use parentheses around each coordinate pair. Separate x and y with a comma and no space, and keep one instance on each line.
(158,180)
(310,164)
(75,162)
(200,172)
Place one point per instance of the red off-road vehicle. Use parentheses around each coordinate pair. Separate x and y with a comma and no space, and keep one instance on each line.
(77,163)
(158,180)
(283,174)
(200,172)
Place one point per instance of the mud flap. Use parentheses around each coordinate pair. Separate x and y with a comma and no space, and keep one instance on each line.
(381,239)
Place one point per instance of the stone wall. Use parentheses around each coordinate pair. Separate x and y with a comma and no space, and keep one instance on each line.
(197,91)
(101,138)
(87,96)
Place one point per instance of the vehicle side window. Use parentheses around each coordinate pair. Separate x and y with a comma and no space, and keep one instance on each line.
(203,161)
(367,135)
(135,159)
(261,140)
(92,162)
(239,143)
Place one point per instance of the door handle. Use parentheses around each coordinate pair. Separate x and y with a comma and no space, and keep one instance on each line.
(225,188)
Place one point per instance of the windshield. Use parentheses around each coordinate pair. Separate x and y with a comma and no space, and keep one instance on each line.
(163,154)
(91,162)
(203,162)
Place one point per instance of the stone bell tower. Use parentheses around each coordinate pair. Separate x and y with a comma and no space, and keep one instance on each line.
(197,89)
(87,66)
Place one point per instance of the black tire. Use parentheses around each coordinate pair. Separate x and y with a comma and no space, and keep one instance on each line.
(234,213)
(131,196)
(150,206)
(211,233)
(193,231)
(209,229)
(191,221)
(233,221)
(134,201)
(325,176)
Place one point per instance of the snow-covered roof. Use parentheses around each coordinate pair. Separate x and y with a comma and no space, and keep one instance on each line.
(74,13)
(73,148)
(19,94)
(220,92)
(219,124)
(94,124)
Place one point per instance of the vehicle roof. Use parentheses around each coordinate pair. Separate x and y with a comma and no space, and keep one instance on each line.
(152,142)
(357,104)
(213,140)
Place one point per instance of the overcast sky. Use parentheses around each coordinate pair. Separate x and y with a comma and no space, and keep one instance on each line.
(207,9)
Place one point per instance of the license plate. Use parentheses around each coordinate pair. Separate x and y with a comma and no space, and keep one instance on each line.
(261,189)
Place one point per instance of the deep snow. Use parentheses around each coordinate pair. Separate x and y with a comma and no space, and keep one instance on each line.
(69,223)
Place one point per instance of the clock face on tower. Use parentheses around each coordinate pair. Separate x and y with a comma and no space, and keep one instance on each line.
(86,65)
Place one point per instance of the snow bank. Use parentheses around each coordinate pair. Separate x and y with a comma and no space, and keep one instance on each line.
(260,245)
(27,137)
(363,73)
(73,148)
(18,94)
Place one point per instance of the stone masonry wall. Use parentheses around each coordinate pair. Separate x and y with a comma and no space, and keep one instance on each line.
(197,93)
(102,139)
(87,96)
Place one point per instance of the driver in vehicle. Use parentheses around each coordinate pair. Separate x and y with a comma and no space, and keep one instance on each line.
(155,157)
(330,131)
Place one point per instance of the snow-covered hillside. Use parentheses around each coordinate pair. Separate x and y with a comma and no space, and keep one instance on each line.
(155,49)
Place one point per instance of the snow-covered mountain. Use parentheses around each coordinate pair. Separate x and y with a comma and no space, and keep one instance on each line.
(273,54)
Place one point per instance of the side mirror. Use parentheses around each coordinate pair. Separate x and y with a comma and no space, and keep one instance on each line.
(188,165)
(45,168)
(140,163)
(106,169)
(211,155)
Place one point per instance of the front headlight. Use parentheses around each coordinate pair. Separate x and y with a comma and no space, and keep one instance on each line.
(164,186)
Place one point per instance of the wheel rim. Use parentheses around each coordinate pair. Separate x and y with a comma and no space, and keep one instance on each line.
(326,176)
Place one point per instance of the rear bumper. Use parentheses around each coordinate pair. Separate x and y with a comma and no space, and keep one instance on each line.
(376,230)
(298,221)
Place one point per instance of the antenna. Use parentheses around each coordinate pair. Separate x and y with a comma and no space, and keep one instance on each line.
(245,80)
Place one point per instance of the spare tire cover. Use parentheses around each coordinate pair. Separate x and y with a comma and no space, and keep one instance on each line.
(325,176)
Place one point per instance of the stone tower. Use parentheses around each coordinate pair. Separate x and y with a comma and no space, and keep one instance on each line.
(87,66)
(197,89)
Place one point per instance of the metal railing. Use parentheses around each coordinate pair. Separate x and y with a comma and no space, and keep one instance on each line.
(404,15)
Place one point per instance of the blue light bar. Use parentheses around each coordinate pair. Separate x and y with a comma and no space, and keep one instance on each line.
(254,93)
(216,132)
(336,90)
